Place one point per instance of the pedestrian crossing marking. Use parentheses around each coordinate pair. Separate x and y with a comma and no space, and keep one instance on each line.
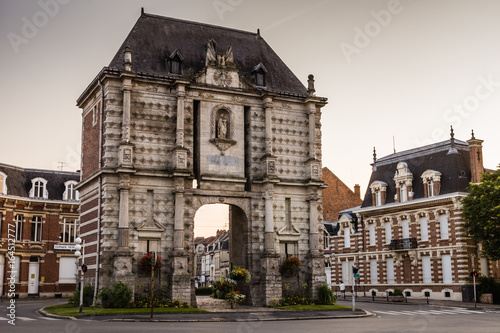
(426,312)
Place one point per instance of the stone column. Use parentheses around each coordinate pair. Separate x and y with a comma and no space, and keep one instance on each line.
(313,225)
(181,93)
(268,106)
(123,217)
(269,222)
(178,219)
(311,110)
(126,87)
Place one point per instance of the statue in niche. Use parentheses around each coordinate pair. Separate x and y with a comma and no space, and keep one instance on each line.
(222,126)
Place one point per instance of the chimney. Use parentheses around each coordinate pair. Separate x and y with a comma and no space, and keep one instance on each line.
(357,190)
(476,158)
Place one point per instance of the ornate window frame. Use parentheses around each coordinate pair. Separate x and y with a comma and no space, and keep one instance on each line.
(432,182)
(3,183)
(379,192)
(404,183)
(70,194)
(39,184)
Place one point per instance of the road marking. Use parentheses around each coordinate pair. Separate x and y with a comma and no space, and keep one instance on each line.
(25,318)
(49,318)
(427,312)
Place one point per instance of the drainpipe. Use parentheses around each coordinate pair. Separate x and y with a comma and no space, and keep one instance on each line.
(99,196)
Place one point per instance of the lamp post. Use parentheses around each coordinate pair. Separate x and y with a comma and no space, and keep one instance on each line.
(79,247)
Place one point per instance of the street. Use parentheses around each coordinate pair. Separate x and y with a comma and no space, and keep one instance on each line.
(388,318)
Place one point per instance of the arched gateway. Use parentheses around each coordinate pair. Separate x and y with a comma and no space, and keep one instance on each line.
(189,114)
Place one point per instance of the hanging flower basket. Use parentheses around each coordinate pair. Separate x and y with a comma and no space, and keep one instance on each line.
(240,274)
(147,262)
(290,267)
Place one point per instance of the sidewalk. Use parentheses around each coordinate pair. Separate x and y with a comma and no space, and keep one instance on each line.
(432,302)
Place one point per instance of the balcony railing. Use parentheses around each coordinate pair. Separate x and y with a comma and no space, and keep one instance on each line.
(403,244)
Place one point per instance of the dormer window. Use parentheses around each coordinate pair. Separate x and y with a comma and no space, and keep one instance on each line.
(3,183)
(174,63)
(39,189)
(432,183)
(378,189)
(70,193)
(259,75)
(404,181)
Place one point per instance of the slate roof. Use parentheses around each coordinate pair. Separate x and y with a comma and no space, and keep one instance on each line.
(19,180)
(154,38)
(455,169)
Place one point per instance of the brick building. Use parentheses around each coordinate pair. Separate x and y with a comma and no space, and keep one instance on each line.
(408,233)
(336,198)
(38,214)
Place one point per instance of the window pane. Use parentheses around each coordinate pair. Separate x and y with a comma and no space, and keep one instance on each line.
(388,233)
(406,229)
(372,234)
(443,226)
(426,269)
(424,233)
(390,270)
(446,262)
(373,271)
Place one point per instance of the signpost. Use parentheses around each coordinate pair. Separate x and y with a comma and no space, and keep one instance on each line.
(153,264)
(355,275)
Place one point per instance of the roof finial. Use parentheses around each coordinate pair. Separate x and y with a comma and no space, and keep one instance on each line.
(374,155)
(258,32)
(472,134)
(142,11)
(452,149)
(310,85)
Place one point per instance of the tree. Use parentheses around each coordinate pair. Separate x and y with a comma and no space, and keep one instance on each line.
(481,211)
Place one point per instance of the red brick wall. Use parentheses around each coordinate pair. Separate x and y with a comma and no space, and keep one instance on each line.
(337,196)
(90,144)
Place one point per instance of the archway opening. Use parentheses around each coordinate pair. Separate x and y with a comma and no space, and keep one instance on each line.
(221,242)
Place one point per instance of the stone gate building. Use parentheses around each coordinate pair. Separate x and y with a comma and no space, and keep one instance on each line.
(189,114)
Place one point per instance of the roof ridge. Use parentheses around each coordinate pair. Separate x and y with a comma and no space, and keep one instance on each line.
(441,144)
(199,23)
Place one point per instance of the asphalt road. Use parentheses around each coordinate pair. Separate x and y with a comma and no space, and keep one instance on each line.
(388,318)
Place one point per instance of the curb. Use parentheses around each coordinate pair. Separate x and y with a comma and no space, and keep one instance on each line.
(367,314)
(50,315)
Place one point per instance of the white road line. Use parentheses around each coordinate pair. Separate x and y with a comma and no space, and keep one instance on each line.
(49,318)
(427,312)
(25,318)
(392,313)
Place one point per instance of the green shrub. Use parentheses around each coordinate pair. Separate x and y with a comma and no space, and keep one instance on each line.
(488,285)
(118,296)
(204,291)
(88,296)
(325,295)
(397,292)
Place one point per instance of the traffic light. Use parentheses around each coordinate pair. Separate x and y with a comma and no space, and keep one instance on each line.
(84,268)
(474,273)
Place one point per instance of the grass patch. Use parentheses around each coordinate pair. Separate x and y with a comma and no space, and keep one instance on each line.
(314,307)
(71,310)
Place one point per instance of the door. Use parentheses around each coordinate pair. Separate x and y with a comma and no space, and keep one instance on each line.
(33,276)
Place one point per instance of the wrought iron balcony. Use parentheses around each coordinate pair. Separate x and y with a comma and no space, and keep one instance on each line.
(403,244)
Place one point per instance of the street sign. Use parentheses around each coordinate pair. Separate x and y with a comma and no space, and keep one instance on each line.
(356,275)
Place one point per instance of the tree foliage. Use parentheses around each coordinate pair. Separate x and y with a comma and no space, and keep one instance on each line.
(481,211)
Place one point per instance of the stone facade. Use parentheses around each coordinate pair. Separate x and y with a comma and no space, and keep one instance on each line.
(413,241)
(174,135)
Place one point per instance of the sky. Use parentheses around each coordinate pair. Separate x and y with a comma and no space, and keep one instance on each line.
(397,73)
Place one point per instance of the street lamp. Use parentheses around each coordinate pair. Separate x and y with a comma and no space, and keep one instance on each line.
(79,247)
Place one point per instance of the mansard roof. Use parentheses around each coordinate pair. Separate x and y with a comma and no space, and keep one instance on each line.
(154,38)
(19,180)
(450,158)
